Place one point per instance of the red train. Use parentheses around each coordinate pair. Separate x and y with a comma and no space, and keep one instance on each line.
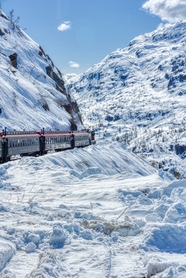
(25,143)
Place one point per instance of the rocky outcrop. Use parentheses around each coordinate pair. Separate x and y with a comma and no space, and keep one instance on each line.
(56,78)
(13,60)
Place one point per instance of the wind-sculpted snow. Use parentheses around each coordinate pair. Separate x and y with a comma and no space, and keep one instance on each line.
(98,211)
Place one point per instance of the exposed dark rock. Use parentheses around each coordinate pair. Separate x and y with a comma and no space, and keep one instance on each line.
(41,51)
(180,149)
(174,79)
(60,90)
(3,15)
(109,118)
(46,107)
(1,33)
(56,78)
(13,59)
(68,108)
(73,126)
(75,107)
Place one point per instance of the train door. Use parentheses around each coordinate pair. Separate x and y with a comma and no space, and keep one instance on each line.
(4,149)
(0,150)
(42,145)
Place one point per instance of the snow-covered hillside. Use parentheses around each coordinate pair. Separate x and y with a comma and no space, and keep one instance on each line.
(32,90)
(137,95)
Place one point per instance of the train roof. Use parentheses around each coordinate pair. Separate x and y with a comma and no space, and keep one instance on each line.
(17,134)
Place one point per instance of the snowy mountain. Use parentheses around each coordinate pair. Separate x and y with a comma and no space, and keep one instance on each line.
(32,90)
(99,211)
(137,95)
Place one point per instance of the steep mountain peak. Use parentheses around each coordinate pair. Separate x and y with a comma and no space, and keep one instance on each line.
(33,94)
(138,93)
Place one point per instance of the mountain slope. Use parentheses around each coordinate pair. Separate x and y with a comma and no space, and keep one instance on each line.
(32,91)
(138,94)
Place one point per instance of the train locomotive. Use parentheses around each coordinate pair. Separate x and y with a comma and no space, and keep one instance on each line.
(35,143)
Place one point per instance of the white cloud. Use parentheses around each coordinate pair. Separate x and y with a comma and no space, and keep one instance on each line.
(73,64)
(167,10)
(66,25)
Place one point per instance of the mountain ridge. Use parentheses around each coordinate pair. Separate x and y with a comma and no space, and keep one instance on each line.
(33,93)
(137,94)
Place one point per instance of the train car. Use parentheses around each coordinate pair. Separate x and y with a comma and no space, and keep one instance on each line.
(59,140)
(26,143)
(55,140)
(82,139)
(22,143)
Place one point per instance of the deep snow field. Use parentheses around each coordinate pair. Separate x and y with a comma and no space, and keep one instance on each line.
(93,212)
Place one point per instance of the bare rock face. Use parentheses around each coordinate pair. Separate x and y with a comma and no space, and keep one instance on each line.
(13,60)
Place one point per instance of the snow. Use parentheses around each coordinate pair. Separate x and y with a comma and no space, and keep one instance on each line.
(29,98)
(137,95)
(98,211)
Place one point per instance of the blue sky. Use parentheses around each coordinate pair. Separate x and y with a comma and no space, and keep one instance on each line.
(77,34)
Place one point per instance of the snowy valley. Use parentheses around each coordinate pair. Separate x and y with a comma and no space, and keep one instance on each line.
(116,209)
